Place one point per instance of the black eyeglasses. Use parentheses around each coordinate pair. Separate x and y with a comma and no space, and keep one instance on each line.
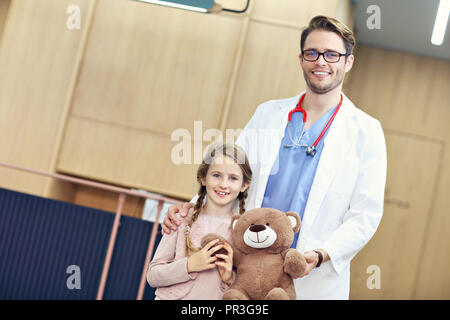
(330,56)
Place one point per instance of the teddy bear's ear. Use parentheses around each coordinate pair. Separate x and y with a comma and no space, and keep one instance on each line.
(295,220)
(234,220)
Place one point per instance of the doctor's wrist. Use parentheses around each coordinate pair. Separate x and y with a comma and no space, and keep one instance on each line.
(322,256)
(319,258)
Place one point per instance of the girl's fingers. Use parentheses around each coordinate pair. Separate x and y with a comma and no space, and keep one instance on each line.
(223,257)
(222,265)
(214,249)
(228,247)
(210,244)
(211,259)
(210,266)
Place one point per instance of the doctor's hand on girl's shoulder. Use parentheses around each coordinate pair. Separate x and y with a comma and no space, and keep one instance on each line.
(205,258)
(171,220)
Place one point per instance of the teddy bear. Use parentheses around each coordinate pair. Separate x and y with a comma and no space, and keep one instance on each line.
(265,263)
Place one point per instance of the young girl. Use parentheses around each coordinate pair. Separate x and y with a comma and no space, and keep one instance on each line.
(180,269)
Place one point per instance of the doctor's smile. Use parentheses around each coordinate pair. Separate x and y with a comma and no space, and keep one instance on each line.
(320,74)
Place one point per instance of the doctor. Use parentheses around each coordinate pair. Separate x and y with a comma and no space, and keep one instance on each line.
(318,155)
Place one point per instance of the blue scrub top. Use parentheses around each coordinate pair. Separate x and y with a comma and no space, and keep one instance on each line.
(293,173)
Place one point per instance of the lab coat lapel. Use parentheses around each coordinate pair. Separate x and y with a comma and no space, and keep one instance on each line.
(335,146)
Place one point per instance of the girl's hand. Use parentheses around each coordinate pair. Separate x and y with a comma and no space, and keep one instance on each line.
(225,265)
(203,259)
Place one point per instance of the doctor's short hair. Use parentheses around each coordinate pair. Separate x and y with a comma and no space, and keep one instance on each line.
(333,25)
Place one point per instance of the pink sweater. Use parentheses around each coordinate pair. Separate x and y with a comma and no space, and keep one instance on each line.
(168,269)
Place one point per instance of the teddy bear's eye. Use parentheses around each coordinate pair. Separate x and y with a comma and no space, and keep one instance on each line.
(267,224)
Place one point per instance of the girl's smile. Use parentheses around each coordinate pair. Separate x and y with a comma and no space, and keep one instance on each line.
(222,194)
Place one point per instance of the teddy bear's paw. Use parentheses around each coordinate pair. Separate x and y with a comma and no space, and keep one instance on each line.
(294,263)
(277,294)
(234,294)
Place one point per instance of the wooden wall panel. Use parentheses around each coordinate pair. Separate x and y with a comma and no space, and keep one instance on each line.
(4,8)
(156,68)
(108,201)
(409,95)
(127,103)
(37,60)
(125,156)
(433,278)
(345,13)
(409,197)
(297,13)
(270,69)
(395,86)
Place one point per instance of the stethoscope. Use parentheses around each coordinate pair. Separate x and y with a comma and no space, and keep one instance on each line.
(310,150)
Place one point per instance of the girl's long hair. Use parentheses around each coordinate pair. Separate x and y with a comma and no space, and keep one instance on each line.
(233,152)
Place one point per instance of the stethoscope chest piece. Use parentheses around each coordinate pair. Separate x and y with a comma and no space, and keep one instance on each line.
(311,151)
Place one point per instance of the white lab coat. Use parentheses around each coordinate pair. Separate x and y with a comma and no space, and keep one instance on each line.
(345,204)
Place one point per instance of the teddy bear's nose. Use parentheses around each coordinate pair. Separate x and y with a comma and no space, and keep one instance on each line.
(257,227)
